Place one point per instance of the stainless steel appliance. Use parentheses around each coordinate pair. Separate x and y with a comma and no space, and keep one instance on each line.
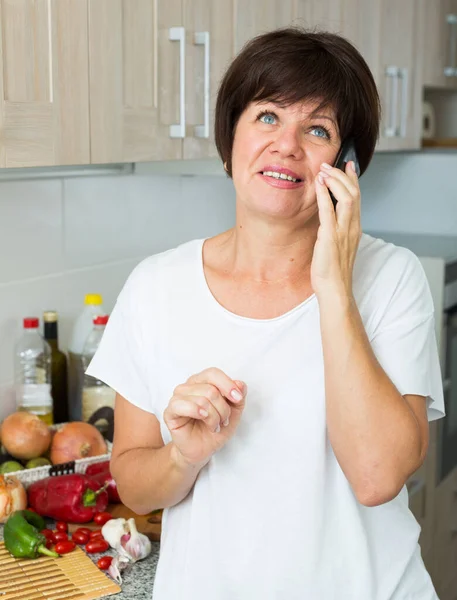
(447,438)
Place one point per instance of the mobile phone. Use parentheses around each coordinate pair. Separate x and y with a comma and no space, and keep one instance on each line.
(347,152)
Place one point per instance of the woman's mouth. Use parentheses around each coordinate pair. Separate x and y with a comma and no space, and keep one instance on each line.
(280,179)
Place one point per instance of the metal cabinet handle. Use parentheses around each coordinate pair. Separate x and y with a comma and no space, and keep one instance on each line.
(451,70)
(391,130)
(178,34)
(202,39)
(403,75)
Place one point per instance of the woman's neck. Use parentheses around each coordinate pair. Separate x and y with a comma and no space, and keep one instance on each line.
(267,255)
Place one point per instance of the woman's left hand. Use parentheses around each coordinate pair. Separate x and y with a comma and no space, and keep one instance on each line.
(339,231)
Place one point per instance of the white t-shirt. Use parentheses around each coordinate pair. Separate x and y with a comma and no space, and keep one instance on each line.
(272,516)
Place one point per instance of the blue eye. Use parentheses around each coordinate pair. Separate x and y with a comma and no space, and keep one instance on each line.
(322,132)
(267,118)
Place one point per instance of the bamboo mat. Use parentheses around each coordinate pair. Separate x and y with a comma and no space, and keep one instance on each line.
(72,576)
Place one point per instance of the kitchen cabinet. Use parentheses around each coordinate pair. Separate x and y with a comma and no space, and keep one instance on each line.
(135,88)
(400,74)
(440,56)
(253,17)
(154,71)
(44,99)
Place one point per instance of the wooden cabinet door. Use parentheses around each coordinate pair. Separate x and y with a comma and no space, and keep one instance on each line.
(360,25)
(136,80)
(440,46)
(400,74)
(325,15)
(209,49)
(253,17)
(44,100)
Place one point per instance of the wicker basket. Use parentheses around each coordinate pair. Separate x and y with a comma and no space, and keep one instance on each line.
(29,476)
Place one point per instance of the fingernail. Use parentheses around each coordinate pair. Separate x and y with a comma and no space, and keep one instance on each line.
(203,413)
(236,395)
(324,175)
(326,166)
(320,179)
(218,428)
(226,422)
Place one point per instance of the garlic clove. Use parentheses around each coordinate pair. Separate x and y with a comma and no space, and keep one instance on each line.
(118,564)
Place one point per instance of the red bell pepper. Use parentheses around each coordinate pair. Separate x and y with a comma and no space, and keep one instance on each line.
(72,498)
(101,474)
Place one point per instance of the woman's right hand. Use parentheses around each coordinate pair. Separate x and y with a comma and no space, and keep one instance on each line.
(204,413)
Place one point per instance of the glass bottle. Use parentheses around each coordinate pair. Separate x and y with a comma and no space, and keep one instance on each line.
(59,373)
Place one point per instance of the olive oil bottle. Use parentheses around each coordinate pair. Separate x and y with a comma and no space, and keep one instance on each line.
(59,371)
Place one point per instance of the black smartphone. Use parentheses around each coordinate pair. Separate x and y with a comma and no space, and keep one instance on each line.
(347,152)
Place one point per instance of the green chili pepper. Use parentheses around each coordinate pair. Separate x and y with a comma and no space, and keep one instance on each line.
(22,535)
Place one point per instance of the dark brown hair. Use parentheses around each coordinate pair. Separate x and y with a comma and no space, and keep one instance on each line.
(294,65)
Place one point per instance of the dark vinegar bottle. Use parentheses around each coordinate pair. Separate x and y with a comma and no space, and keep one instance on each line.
(59,373)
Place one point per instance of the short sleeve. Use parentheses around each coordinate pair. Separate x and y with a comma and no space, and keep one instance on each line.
(119,360)
(404,341)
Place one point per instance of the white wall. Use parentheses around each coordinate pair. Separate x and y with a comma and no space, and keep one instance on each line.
(411,192)
(61,239)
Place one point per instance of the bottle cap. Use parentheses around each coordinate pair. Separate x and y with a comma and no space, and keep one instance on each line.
(50,316)
(101,320)
(31,323)
(93,299)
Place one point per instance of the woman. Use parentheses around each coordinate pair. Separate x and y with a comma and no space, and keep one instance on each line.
(273,382)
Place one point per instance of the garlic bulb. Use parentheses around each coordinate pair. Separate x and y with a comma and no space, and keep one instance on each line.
(113,530)
(12,496)
(135,546)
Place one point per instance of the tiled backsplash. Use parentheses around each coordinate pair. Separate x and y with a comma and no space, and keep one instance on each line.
(60,239)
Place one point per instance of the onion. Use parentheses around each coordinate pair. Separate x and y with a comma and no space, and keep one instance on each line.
(12,496)
(76,440)
(25,436)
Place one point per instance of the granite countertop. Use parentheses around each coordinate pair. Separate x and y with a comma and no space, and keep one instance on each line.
(137,579)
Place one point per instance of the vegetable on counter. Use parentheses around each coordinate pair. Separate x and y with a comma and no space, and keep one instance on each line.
(101,473)
(12,496)
(25,436)
(22,535)
(76,440)
(73,498)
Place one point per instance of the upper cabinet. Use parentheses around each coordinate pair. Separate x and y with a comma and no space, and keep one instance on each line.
(44,99)
(100,81)
(155,66)
(440,55)
(137,77)
(400,73)
(253,17)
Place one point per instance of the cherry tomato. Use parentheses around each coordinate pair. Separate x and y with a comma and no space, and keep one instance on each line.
(80,537)
(102,517)
(47,533)
(104,562)
(98,545)
(95,533)
(62,526)
(59,536)
(49,544)
(65,547)
(86,530)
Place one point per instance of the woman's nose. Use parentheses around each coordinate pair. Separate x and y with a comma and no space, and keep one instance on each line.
(288,142)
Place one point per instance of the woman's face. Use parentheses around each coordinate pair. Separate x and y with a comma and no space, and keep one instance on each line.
(277,154)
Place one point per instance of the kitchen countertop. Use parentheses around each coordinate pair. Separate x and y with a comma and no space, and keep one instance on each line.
(137,579)
(438,246)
